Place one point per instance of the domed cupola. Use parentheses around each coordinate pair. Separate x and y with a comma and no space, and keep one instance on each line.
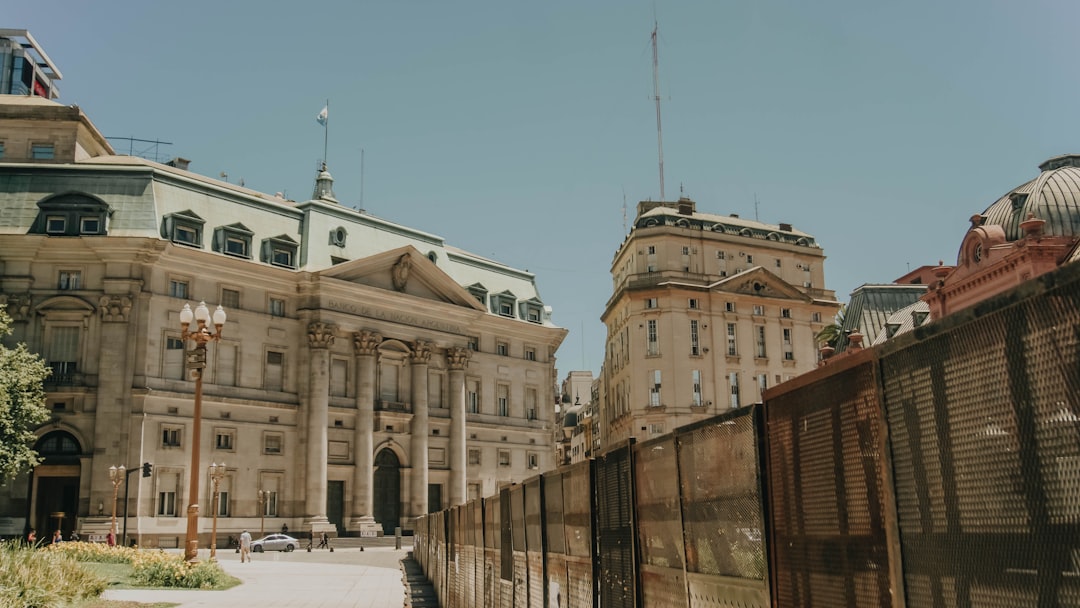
(1053,196)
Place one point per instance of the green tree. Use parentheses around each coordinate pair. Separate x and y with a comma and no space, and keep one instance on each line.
(22,404)
(830,334)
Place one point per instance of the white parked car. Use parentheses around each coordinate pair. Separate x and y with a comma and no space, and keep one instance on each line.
(275,542)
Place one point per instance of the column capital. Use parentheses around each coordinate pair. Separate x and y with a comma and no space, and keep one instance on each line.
(457,357)
(320,335)
(366,342)
(114,308)
(421,353)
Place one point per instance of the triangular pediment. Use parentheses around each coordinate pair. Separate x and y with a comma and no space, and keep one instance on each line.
(404,270)
(761,283)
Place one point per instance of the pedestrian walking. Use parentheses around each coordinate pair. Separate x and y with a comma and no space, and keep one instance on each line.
(324,541)
(245,547)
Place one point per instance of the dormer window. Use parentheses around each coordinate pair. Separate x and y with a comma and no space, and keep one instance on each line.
(532,310)
(502,304)
(479,292)
(234,240)
(183,228)
(71,214)
(280,251)
(1018,200)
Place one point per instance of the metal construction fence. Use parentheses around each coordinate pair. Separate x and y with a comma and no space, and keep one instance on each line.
(941,469)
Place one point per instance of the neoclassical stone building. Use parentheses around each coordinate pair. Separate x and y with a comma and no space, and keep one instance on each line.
(707,311)
(367,371)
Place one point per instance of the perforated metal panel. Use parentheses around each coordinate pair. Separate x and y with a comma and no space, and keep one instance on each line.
(659,517)
(826,491)
(534,542)
(984,415)
(723,510)
(577,519)
(618,577)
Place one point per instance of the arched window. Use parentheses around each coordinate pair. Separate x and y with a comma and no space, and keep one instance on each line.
(57,444)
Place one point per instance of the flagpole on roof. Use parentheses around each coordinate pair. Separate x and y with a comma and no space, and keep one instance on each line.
(326,130)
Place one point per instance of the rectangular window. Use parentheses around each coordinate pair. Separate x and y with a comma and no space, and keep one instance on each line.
(654,390)
(789,355)
(269,503)
(695,379)
(173,364)
(185,234)
(530,404)
(729,306)
(506,309)
(504,458)
(749,259)
(530,354)
(693,304)
(277,307)
(272,443)
(167,504)
(652,346)
(732,345)
(473,344)
(70,279)
(474,457)
(762,384)
(230,299)
(42,151)
(178,289)
(686,251)
(694,347)
(89,225)
(339,377)
(275,371)
(223,439)
(534,460)
(472,396)
(223,503)
(785,313)
(759,310)
(55,224)
(733,382)
(650,303)
(503,400)
(279,256)
(720,255)
(502,348)
(759,331)
(651,250)
(237,246)
(170,437)
(815,317)
(656,428)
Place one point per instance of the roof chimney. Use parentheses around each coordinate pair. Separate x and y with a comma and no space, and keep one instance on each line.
(686,206)
(179,163)
(785,227)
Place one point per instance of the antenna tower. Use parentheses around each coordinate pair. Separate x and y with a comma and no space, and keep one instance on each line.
(656,96)
(624,209)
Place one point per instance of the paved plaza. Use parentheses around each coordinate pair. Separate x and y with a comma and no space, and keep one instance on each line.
(319,579)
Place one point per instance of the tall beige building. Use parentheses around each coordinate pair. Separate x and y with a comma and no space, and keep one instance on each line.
(367,373)
(707,311)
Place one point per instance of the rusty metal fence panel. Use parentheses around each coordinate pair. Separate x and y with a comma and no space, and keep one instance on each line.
(517,539)
(660,527)
(555,539)
(578,509)
(984,415)
(723,510)
(615,522)
(492,559)
(534,542)
(476,597)
(827,490)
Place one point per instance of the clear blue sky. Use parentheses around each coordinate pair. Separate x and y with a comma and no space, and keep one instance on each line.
(516,129)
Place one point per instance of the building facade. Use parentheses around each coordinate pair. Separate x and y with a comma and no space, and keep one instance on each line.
(367,372)
(707,312)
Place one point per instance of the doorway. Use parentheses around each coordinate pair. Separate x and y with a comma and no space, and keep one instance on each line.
(55,485)
(335,504)
(387,491)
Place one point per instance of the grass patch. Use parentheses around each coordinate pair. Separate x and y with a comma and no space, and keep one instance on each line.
(124,576)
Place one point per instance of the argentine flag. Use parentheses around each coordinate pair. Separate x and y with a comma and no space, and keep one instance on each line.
(323,115)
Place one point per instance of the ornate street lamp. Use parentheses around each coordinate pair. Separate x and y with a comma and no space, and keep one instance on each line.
(263,495)
(217,471)
(196,362)
(116,476)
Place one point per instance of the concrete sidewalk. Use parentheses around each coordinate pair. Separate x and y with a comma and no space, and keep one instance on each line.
(320,579)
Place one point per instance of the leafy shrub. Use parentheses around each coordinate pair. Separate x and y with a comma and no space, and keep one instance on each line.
(95,552)
(160,569)
(43,579)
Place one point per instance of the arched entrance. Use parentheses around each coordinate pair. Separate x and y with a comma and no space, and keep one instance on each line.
(55,485)
(387,491)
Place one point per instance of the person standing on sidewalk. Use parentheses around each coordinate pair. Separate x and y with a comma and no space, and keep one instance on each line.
(245,547)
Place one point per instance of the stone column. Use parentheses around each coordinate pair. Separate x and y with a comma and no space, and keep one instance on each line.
(366,344)
(457,359)
(111,419)
(418,492)
(320,337)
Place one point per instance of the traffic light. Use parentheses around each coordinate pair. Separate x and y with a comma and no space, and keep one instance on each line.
(147,469)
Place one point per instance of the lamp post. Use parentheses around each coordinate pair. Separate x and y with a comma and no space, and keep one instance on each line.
(196,362)
(116,476)
(217,471)
(263,495)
